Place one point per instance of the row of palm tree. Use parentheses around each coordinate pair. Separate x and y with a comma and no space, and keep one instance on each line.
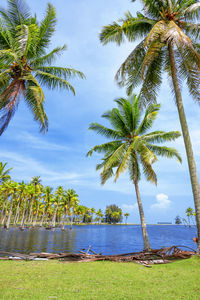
(34,205)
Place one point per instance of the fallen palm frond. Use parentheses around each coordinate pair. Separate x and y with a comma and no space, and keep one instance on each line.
(146,258)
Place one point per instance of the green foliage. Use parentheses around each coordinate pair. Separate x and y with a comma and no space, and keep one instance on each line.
(113,214)
(26,65)
(178,220)
(131,144)
(160,23)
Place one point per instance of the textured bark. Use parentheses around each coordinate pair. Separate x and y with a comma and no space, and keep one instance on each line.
(142,219)
(187,140)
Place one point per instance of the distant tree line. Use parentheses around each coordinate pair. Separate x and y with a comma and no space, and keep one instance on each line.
(32,204)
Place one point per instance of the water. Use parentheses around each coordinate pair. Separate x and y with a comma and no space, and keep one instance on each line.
(108,239)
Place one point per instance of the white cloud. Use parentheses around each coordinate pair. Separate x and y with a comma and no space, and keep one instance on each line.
(162,202)
(129,207)
(40,143)
(25,167)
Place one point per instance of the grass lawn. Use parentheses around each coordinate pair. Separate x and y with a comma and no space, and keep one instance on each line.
(53,280)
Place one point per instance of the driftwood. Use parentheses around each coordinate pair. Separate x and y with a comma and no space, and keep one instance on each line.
(145,258)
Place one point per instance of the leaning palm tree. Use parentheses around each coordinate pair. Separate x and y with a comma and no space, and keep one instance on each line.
(169,35)
(131,146)
(25,63)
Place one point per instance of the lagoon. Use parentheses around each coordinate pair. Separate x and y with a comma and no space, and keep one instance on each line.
(107,239)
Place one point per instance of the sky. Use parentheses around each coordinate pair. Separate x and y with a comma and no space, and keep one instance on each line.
(59,156)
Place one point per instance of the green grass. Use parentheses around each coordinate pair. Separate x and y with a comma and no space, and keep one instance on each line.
(51,280)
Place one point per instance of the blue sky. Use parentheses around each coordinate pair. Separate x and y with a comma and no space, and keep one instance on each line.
(59,157)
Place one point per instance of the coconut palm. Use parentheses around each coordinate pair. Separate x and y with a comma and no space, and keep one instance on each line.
(169,35)
(72,199)
(47,196)
(13,186)
(126,215)
(131,146)
(59,193)
(25,64)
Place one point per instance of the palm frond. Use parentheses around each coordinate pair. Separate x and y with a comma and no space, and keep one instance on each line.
(124,162)
(52,81)
(47,28)
(48,58)
(148,171)
(112,33)
(165,151)
(104,131)
(61,72)
(161,136)
(150,116)
(106,147)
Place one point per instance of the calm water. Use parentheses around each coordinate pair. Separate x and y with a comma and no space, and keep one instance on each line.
(106,239)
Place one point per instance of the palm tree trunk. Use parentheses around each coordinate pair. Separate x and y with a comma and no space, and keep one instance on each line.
(2,211)
(7,225)
(142,219)
(16,214)
(23,213)
(72,217)
(187,141)
(36,215)
(64,218)
(30,212)
(43,215)
(54,215)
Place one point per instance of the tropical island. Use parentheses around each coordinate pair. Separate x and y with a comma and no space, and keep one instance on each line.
(146,140)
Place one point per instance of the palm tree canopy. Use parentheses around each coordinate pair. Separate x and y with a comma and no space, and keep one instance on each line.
(160,23)
(25,64)
(131,142)
(4,173)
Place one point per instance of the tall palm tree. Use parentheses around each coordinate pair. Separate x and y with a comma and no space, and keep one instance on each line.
(169,35)
(13,186)
(131,146)
(47,196)
(25,64)
(72,199)
(59,193)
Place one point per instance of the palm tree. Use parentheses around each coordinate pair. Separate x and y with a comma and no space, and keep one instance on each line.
(59,193)
(131,146)
(72,199)
(4,173)
(47,202)
(169,37)
(126,215)
(25,64)
(13,186)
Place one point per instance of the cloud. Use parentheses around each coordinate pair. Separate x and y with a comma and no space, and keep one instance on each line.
(24,167)
(40,143)
(129,207)
(162,202)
